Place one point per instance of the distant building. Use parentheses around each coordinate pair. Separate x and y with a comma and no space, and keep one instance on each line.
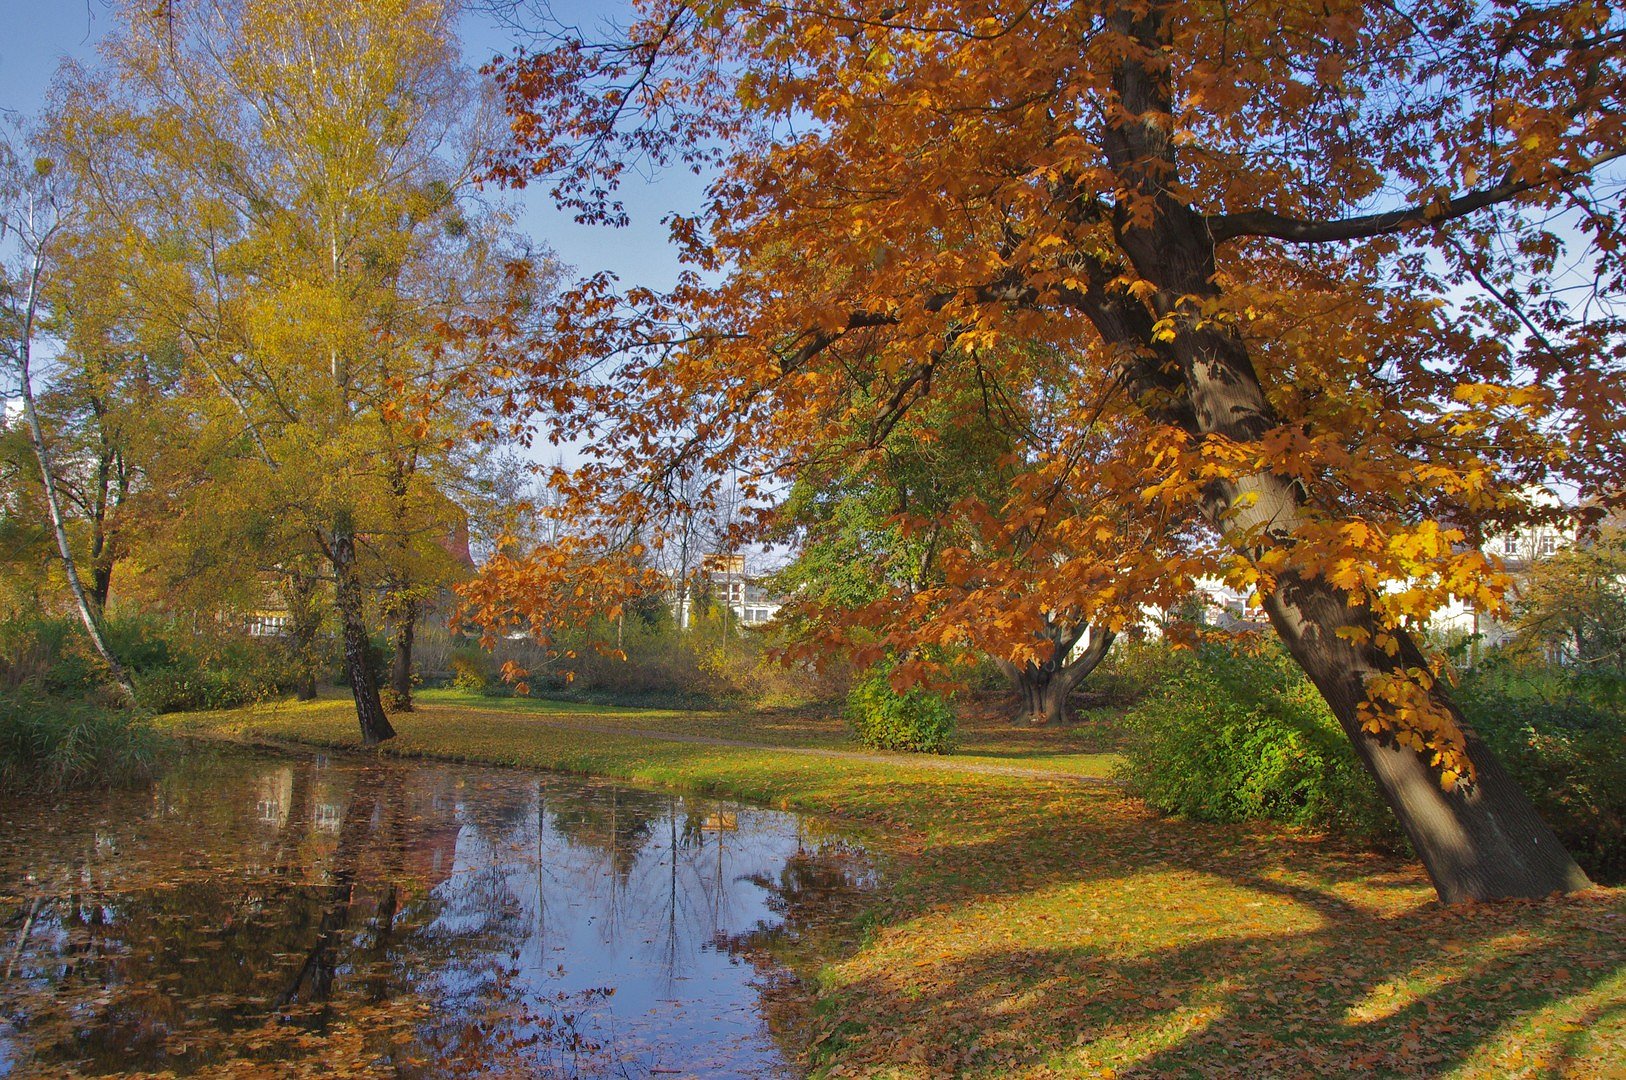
(1519,550)
(722,580)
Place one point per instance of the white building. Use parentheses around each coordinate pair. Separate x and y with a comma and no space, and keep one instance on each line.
(723,580)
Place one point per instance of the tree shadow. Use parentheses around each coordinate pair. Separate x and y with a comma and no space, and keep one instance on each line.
(1089,933)
(1361,993)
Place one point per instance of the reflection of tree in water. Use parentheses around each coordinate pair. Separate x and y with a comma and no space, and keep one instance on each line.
(167,962)
(615,822)
(818,887)
(488,1017)
(294,911)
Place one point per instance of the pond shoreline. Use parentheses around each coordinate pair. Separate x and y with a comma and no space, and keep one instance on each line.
(326,837)
(1055,928)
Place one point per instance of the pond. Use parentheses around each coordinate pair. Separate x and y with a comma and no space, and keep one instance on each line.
(256,914)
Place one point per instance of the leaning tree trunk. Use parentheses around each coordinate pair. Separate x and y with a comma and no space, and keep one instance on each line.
(1481,840)
(375,726)
(90,612)
(1478,841)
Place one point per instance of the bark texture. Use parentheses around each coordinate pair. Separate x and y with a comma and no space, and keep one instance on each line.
(1044,687)
(304,626)
(405,627)
(375,726)
(1480,841)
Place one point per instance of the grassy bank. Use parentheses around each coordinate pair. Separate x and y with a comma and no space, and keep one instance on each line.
(1049,926)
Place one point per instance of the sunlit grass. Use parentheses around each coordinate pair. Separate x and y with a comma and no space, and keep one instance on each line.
(1038,927)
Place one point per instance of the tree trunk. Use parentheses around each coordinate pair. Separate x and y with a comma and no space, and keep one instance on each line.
(90,615)
(101,577)
(304,624)
(1046,700)
(405,625)
(1045,687)
(1038,689)
(375,726)
(1479,841)
(101,540)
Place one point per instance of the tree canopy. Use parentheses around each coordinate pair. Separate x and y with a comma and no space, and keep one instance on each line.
(289,194)
(1354,267)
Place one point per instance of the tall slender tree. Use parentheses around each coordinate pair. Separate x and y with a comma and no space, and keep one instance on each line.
(34,216)
(295,190)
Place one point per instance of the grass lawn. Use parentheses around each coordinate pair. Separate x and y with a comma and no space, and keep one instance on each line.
(1051,927)
(986,735)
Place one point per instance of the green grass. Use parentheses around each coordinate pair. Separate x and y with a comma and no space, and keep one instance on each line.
(1046,927)
(543,706)
(985,738)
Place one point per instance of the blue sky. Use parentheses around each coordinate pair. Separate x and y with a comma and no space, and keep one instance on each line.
(38,34)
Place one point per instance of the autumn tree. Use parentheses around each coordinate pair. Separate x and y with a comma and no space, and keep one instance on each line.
(111,381)
(35,215)
(904,539)
(1574,603)
(1324,251)
(294,190)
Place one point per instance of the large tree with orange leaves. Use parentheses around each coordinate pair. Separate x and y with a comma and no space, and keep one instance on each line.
(1354,265)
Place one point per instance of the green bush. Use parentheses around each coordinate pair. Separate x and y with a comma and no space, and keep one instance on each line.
(50,744)
(1562,735)
(1229,735)
(1131,671)
(184,688)
(473,670)
(917,719)
(174,668)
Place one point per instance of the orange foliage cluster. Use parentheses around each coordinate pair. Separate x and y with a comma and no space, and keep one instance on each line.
(1277,290)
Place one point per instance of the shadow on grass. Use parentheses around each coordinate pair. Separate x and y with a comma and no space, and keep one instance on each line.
(1359,994)
(1039,926)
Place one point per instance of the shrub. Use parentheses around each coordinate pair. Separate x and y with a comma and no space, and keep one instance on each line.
(174,668)
(1229,735)
(1132,670)
(177,670)
(186,687)
(472,670)
(50,744)
(917,719)
(32,650)
(1562,736)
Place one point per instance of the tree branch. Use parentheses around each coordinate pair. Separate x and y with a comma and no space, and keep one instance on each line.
(1223,227)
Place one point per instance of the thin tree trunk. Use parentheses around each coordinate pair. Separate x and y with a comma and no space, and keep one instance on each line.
(402,604)
(90,615)
(101,540)
(405,626)
(304,624)
(375,726)
(1478,841)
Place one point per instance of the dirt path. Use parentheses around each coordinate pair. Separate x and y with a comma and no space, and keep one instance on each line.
(922,761)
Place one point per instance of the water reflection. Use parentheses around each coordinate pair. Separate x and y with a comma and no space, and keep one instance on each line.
(403,920)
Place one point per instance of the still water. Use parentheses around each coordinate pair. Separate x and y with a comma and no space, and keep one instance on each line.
(282,916)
